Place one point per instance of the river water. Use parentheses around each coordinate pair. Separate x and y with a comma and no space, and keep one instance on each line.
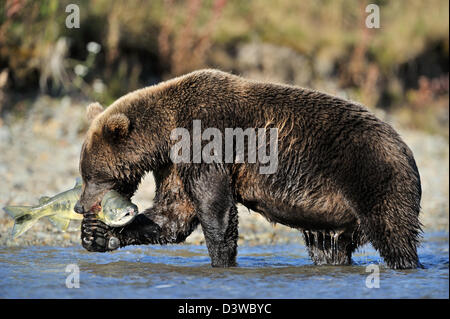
(183,271)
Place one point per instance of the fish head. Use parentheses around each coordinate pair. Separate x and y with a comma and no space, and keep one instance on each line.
(117,209)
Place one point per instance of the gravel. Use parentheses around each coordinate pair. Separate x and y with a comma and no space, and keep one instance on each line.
(40,153)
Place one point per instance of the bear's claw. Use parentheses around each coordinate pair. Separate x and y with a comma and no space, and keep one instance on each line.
(96,236)
(113,243)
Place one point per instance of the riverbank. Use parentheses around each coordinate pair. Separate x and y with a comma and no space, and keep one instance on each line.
(40,152)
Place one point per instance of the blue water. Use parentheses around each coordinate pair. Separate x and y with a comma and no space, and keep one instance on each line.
(183,271)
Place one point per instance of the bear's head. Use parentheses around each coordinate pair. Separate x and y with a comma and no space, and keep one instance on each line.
(109,157)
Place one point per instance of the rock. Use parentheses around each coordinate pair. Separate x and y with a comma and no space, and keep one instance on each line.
(263,61)
(5,135)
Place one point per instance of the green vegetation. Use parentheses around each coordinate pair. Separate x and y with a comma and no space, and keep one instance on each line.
(142,42)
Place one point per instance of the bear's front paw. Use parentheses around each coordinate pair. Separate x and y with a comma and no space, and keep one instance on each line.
(97,236)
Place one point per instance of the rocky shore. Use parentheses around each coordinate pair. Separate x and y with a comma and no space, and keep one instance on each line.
(39,156)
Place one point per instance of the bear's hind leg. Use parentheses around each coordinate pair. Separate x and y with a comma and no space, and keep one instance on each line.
(330,247)
(395,239)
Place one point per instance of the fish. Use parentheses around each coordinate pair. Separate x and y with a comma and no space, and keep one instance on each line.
(116,210)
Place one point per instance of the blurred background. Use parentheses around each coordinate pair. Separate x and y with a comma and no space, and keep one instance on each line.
(49,73)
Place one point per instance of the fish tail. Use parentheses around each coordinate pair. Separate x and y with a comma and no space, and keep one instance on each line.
(24,218)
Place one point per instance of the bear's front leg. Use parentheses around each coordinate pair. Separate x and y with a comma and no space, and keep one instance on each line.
(96,236)
(217,213)
(160,224)
(220,227)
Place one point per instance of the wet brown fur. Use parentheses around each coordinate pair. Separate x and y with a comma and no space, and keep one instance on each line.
(340,168)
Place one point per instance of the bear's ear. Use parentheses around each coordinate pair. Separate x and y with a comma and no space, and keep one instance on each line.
(116,126)
(93,110)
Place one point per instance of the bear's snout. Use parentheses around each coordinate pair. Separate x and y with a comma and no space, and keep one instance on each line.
(78,208)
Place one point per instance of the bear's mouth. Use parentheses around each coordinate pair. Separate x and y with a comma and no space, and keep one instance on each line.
(96,208)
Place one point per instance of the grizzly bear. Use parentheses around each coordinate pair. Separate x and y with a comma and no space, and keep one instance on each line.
(343,177)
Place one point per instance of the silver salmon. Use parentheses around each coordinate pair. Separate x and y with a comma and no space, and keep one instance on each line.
(115,211)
